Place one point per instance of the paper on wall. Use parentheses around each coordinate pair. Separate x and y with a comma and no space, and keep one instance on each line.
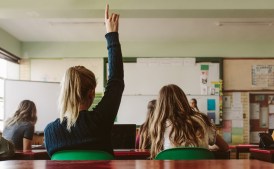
(227,126)
(232,114)
(226,101)
(271,108)
(237,123)
(236,97)
(227,137)
(254,110)
(271,121)
(254,137)
(264,117)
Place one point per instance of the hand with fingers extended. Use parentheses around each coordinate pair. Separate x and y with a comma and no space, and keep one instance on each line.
(112,21)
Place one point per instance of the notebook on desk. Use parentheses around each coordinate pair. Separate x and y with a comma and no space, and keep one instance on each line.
(37,147)
(123,136)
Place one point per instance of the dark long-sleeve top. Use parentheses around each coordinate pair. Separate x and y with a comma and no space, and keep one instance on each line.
(92,130)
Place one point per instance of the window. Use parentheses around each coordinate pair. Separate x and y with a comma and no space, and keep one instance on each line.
(8,70)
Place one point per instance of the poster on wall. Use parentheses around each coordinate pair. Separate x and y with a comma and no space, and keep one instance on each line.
(204,79)
(262,76)
(254,110)
(264,117)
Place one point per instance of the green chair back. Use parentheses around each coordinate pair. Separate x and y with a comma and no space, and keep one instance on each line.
(185,153)
(81,155)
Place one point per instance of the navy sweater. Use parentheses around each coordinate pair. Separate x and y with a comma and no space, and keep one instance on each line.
(92,129)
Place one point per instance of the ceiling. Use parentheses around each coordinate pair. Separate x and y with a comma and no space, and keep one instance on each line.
(71,20)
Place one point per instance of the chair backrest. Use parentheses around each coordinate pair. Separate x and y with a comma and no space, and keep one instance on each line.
(81,155)
(185,153)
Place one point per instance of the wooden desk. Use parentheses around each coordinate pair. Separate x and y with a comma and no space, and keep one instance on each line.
(136,164)
(120,154)
(244,148)
(31,155)
(262,154)
(137,154)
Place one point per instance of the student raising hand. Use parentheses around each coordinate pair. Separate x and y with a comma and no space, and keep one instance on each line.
(79,127)
(112,21)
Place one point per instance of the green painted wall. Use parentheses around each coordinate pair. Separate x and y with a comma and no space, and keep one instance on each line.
(10,43)
(64,49)
(149,49)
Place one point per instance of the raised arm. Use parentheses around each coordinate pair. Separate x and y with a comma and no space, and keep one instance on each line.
(108,107)
(113,45)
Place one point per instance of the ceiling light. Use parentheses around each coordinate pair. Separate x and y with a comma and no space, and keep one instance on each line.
(61,23)
(244,23)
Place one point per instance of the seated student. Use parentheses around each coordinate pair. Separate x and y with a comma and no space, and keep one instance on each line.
(176,124)
(77,127)
(19,129)
(193,104)
(7,149)
(142,139)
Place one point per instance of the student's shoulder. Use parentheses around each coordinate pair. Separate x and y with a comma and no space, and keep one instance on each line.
(25,124)
(52,125)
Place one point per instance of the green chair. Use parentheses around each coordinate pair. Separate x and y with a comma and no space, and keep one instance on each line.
(185,153)
(81,155)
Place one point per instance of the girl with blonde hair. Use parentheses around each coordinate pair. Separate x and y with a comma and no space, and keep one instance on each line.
(176,124)
(19,129)
(81,128)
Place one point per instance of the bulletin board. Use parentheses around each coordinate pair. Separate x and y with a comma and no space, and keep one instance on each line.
(241,74)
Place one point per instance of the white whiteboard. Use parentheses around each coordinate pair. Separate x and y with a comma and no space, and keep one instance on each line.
(147,79)
(43,94)
(52,70)
(133,108)
(144,79)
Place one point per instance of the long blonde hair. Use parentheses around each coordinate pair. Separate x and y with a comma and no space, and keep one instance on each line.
(172,106)
(26,112)
(144,129)
(75,86)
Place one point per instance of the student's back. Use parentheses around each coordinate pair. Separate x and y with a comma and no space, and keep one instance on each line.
(176,124)
(77,127)
(16,133)
(19,129)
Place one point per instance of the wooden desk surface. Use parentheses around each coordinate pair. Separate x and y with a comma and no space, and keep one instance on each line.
(262,154)
(264,151)
(244,148)
(135,154)
(136,164)
(120,154)
(31,155)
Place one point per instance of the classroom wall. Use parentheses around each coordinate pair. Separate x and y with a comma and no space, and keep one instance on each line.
(201,48)
(244,102)
(10,43)
(237,79)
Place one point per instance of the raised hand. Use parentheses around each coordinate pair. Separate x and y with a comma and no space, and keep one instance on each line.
(112,21)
